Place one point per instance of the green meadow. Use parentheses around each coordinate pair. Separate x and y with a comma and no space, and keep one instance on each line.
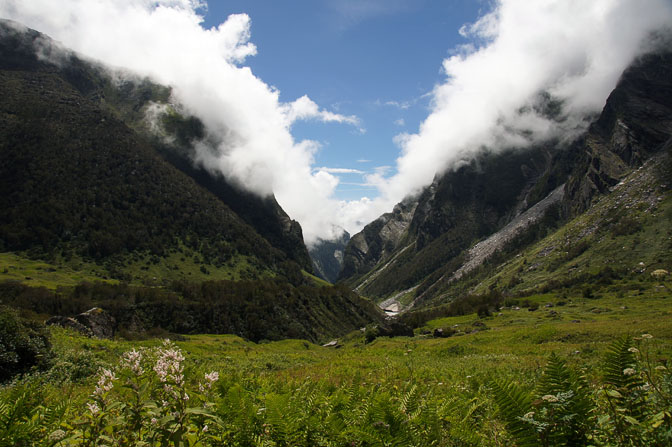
(546,370)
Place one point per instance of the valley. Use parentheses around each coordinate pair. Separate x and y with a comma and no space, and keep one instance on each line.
(522,298)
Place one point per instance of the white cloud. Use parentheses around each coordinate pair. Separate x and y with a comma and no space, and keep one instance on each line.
(249,137)
(572,49)
(400,122)
(401,105)
(305,108)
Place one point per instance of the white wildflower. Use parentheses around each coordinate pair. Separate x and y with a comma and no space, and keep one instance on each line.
(57,435)
(93,408)
(628,371)
(529,415)
(647,336)
(104,382)
(169,367)
(633,349)
(549,398)
(131,360)
(205,428)
(211,378)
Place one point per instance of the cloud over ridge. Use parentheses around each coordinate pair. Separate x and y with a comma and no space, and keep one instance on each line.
(572,51)
(516,55)
(249,128)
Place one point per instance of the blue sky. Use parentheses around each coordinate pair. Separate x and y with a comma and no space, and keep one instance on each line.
(376,59)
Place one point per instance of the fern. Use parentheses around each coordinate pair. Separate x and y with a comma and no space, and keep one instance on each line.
(564,405)
(624,392)
(513,404)
(19,424)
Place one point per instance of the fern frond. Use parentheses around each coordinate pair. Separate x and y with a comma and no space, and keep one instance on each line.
(618,359)
(513,404)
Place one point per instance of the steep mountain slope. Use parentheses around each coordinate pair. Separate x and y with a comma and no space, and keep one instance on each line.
(89,189)
(76,179)
(501,202)
(327,256)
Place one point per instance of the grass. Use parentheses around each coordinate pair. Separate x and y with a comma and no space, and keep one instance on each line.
(510,340)
(36,273)
(135,268)
(452,376)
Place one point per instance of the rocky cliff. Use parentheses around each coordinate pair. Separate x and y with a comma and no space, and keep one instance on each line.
(501,200)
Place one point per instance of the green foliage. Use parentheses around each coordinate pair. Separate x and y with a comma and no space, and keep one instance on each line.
(257,310)
(636,396)
(23,344)
(145,400)
(630,408)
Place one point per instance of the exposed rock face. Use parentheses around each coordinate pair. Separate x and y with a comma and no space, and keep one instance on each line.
(635,123)
(458,208)
(378,240)
(100,322)
(94,322)
(468,214)
(69,323)
(328,257)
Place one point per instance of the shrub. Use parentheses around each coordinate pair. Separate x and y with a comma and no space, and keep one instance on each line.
(23,344)
(146,400)
(629,408)
(483,311)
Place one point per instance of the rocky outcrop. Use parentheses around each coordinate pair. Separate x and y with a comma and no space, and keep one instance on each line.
(472,212)
(458,208)
(635,123)
(328,255)
(378,241)
(94,322)
(69,323)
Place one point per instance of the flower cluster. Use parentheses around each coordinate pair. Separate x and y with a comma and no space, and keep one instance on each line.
(105,382)
(210,379)
(169,366)
(131,360)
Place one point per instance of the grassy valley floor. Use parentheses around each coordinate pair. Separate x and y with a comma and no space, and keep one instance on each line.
(487,384)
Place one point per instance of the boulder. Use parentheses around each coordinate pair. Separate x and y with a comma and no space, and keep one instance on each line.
(659,273)
(94,322)
(98,321)
(70,323)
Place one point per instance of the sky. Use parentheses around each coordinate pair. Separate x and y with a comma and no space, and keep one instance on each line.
(341,108)
(377,60)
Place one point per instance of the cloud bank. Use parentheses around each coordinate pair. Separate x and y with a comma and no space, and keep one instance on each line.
(573,51)
(515,57)
(249,129)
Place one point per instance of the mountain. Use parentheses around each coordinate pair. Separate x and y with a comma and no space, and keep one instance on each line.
(80,175)
(90,189)
(473,219)
(327,256)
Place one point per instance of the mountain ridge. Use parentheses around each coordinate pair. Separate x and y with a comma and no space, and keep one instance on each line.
(455,216)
